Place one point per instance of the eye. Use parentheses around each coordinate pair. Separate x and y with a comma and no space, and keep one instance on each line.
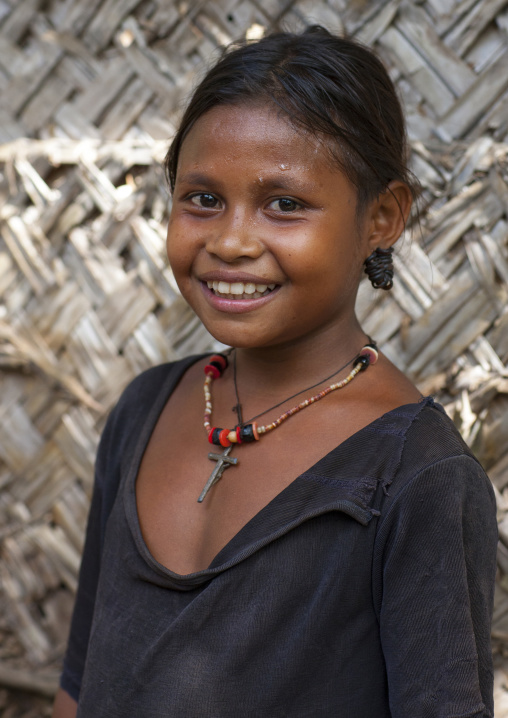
(285,204)
(205,201)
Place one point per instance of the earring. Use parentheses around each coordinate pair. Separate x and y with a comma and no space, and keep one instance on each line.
(379,268)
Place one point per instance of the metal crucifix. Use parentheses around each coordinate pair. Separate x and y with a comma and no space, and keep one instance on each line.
(223,462)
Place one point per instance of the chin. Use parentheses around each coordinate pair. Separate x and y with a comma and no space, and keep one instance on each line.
(237,340)
(240,337)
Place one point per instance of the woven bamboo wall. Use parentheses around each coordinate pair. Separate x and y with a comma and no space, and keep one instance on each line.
(90,92)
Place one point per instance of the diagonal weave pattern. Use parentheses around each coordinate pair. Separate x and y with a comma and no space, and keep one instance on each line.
(90,93)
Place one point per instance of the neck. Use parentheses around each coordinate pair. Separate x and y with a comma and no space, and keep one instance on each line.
(276,371)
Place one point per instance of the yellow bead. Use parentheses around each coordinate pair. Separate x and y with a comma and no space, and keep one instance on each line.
(232,437)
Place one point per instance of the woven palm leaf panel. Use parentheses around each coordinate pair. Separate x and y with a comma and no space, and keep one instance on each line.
(90,93)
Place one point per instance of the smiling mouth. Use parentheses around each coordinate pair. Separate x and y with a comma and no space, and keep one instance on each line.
(240,290)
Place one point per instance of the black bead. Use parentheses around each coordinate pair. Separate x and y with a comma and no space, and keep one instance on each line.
(215,437)
(364,361)
(247,433)
(217,366)
(224,356)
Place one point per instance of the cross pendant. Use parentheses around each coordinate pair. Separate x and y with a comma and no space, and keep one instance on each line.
(223,462)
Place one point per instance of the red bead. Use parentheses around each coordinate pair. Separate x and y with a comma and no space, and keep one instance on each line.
(212,370)
(210,434)
(223,438)
(220,359)
(238,434)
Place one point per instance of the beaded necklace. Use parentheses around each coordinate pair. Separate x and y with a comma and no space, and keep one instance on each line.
(250,431)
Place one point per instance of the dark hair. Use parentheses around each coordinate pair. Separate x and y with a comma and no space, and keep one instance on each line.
(329,86)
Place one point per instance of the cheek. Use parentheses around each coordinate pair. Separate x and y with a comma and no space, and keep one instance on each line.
(179,250)
(180,265)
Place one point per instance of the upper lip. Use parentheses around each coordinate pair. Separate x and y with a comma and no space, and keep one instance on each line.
(220,275)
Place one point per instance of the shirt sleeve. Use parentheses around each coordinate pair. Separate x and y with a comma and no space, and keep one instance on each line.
(435,564)
(107,477)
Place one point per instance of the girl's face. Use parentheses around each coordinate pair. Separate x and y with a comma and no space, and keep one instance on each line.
(263,238)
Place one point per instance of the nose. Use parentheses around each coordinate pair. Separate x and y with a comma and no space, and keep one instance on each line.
(235,237)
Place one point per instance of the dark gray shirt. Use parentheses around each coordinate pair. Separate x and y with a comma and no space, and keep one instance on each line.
(363,590)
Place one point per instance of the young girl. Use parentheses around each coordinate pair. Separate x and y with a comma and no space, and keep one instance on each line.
(340,559)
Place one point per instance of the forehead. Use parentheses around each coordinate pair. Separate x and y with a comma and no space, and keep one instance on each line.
(254,134)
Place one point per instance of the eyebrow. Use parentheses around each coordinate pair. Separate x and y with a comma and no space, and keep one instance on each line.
(290,184)
(277,182)
(197,178)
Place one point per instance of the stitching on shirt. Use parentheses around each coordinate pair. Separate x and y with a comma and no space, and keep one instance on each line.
(353,480)
(422,404)
(362,489)
(361,482)
(393,432)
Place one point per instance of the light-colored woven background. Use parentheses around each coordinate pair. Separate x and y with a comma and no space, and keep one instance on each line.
(90,92)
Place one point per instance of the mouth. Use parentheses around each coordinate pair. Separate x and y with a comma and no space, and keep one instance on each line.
(240,290)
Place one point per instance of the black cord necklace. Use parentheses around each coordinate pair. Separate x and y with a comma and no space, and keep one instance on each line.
(238,407)
(246,432)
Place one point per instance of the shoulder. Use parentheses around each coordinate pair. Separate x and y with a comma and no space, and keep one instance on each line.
(440,501)
(431,438)
(436,466)
(149,382)
(426,432)
(141,401)
(413,445)
(149,387)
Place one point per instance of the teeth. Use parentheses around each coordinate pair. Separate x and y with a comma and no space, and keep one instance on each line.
(239,289)
(236,288)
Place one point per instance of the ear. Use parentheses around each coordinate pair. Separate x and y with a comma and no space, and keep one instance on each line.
(388,215)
